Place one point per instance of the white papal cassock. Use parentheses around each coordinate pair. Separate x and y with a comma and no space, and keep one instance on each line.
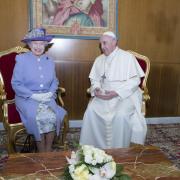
(119,121)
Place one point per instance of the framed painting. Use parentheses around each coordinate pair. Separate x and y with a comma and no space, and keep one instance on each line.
(86,19)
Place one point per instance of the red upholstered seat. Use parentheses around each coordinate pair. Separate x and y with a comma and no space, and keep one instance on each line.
(10,116)
(13,115)
(7,63)
(143,65)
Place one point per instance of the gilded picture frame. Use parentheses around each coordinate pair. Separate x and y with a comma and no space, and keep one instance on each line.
(80,19)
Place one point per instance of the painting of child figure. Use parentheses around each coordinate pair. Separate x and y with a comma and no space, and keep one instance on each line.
(75,17)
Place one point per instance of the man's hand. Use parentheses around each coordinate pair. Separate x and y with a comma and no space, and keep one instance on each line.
(98,92)
(106,95)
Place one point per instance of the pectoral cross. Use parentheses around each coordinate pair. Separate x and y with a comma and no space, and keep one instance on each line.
(103,77)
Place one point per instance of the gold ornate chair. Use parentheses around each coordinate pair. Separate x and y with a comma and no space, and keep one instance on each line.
(8,114)
(144,62)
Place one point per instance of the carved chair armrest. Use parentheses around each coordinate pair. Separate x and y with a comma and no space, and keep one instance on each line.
(60,91)
(88,91)
(12,101)
(146,96)
(2,96)
(4,106)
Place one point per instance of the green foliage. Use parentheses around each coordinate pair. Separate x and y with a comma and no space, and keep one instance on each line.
(119,169)
(76,145)
(119,175)
(125,177)
(66,174)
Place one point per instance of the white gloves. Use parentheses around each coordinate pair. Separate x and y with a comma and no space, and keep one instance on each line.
(42,97)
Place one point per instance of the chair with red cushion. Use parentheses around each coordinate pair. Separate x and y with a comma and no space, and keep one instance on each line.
(144,62)
(10,117)
(8,113)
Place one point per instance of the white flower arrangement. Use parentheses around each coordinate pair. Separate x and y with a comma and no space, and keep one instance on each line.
(90,163)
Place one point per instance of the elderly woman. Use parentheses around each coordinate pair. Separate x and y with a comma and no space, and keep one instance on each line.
(34,82)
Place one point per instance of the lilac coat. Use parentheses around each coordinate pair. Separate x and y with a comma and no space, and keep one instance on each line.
(33,76)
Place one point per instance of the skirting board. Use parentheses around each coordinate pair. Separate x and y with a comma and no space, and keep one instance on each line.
(154,120)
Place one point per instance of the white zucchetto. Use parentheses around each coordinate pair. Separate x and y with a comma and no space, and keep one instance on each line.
(110,33)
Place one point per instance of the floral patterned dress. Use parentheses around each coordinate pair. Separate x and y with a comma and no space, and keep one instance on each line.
(46,119)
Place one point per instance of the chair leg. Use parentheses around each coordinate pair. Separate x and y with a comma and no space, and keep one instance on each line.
(60,141)
(65,129)
(29,144)
(10,145)
(12,133)
(11,141)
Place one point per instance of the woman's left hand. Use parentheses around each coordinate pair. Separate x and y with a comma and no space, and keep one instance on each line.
(47,96)
(42,97)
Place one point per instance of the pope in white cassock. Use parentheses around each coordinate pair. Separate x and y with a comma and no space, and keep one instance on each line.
(113,118)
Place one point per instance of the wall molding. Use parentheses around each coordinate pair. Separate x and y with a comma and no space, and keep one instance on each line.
(154,120)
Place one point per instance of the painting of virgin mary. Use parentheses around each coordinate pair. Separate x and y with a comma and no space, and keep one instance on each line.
(86,19)
(87,13)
